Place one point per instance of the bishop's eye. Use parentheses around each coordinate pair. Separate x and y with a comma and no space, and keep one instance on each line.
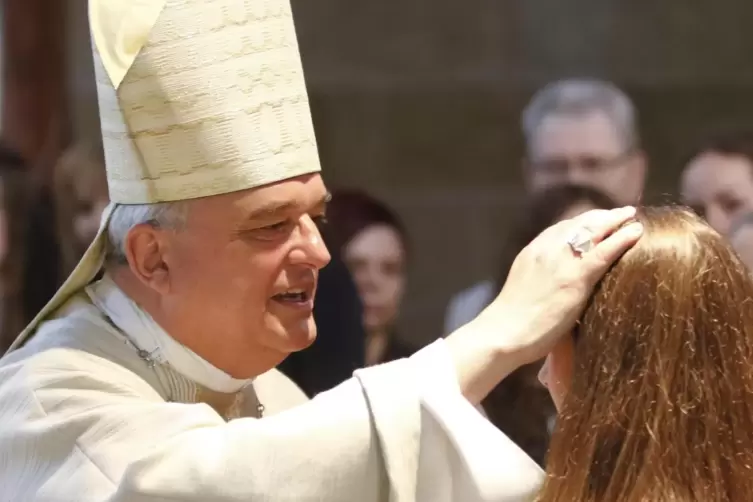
(272,232)
(275,226)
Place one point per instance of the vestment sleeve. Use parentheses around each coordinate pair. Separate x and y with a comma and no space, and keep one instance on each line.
(399,432)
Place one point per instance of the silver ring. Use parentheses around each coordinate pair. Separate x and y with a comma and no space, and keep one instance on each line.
(581,241)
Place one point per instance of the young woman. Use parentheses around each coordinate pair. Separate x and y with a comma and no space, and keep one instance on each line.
(654,389)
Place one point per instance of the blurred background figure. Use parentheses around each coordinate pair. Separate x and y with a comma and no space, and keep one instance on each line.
(584,132)
(580,132)
(15,193)
(717,181)
(741,238)
(374,245)
(520,406)
(28,265)
(80,193)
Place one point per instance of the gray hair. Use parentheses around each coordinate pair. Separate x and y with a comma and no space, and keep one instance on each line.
(579,97)
(167,215)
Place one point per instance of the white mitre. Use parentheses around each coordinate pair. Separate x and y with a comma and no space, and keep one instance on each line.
(196,98)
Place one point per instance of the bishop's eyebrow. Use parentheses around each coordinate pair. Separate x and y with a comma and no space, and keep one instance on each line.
(269,210)
(276,208)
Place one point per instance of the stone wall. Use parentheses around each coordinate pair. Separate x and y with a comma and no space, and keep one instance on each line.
(418,101)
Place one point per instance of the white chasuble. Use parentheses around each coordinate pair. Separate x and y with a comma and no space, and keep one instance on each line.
(84,418)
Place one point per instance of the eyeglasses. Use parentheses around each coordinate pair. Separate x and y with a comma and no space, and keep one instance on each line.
(589,163)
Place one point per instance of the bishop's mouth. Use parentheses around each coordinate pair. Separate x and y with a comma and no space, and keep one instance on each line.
(300,296)
(297,299)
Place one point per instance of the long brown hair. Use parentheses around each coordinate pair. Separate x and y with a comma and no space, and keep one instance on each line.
(660,406)
(351,211)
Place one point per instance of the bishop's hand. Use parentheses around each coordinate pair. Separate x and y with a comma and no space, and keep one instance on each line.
(543,297)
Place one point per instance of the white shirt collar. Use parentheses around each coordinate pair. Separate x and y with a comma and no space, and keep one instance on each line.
(148,336)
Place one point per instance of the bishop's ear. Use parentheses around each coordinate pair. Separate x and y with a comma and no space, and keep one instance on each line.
(145,248)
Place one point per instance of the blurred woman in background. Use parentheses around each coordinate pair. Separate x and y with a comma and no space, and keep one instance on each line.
(80,187)
(654,389)
(520,406)
(374,245)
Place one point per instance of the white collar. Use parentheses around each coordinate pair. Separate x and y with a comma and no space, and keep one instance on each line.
(148,336)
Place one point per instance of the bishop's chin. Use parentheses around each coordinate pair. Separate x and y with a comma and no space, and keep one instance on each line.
(301,334)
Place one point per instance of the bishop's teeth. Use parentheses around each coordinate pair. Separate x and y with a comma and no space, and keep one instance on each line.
(291,296)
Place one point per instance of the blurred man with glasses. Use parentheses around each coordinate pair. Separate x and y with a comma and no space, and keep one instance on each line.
(577,131)
(584,132)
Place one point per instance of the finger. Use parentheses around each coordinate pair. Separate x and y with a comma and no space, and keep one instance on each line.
(612,248)
(601,223)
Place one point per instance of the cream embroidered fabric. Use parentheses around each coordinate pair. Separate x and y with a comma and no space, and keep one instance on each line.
(197,98)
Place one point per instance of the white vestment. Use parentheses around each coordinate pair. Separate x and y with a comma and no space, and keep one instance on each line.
(84,418)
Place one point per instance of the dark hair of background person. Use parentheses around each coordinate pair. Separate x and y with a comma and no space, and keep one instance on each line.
(43,273)
(351,211)
(29,271)
(519,406)
(339,346)
(661,402)
(15,189)
(730,142)
(541,211)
